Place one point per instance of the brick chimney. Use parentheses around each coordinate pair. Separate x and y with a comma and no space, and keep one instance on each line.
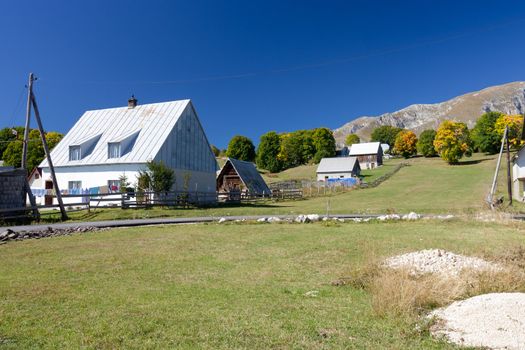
(132,102)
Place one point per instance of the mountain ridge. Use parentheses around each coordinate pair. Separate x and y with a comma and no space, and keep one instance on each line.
(507,98)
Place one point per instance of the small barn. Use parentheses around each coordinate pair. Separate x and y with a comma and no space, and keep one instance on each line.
(240,178)
(369,154)
(338,168)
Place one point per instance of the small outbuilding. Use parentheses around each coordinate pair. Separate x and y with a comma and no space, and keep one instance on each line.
(338,168)
(369,154)
(239,178)
(518,175)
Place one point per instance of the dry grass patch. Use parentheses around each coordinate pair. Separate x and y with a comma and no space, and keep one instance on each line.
(401,293)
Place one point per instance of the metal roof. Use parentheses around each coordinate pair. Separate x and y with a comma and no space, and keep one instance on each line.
(359,149)
(153,122)
(337,165)
(249,176)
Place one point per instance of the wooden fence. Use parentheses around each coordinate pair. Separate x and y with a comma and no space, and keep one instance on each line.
(130,200)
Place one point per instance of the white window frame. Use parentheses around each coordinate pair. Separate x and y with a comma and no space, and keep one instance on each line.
(75,153)
(114,150)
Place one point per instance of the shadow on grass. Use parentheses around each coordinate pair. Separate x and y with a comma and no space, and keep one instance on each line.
(472,162)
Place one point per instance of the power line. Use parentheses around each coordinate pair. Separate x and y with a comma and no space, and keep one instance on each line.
(383,52)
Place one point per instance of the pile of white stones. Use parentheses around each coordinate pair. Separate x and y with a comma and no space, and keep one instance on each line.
(437,261)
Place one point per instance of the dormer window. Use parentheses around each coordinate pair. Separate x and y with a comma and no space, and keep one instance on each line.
(75,153)
(83,148)
(121,145)
(114,150)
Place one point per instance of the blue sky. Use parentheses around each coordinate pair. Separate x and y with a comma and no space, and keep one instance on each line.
(254,66)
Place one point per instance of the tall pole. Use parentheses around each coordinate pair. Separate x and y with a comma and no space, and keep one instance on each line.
(28,117)
(509,180)
(490,198)
(48,156)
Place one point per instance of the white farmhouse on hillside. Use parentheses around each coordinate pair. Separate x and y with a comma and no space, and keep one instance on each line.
(105,144)
(338,168)
(370,154)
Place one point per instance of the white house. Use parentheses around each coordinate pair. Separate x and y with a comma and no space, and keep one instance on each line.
(518,175)
(369,154)
(338,168)
(105,144)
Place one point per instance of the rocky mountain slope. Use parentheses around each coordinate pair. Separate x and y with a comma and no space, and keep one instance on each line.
(508,98)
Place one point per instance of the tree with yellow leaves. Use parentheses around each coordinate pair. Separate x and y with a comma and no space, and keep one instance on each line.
(406,143)
(453,141)
(515,124)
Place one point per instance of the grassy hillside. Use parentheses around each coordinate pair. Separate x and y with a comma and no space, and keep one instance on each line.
(217,286)
(427,185)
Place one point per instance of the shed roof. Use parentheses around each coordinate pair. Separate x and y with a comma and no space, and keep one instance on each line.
(153,122)
(337,165)
(249,176)
(359,149)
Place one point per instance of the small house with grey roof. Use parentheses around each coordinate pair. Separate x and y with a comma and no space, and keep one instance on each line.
(107,143)
(338,168)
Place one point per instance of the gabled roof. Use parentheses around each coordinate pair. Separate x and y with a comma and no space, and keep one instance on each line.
(153,123)
(249,176)
(359,149)
(337,165)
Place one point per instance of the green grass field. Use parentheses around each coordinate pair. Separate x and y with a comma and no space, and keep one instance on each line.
(233,286)
(425,186)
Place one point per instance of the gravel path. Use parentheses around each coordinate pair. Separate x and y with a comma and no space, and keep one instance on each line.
(496,321)
(437,261)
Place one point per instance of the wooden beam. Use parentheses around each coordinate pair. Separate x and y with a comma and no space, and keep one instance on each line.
(48,156)
(28,117)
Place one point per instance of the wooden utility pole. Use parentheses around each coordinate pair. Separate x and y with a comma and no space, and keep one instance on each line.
(49,161)
(28,118)
(509,178)
(490,198)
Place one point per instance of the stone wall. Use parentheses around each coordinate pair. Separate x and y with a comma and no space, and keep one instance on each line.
(12,188)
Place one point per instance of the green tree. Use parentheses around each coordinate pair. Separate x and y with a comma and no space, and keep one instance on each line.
(7,135)
(385,134)
(241,148)
(484,134)
(425,144)
(292,151)
(324,143)
(268,152)
(215,150)
(453,141)
(351,139)
(162,178)
(35,150)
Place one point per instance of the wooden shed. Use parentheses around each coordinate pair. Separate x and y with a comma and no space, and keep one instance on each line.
(239,178)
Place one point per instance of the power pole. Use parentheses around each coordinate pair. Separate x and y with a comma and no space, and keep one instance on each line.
(32,101)
(28,118)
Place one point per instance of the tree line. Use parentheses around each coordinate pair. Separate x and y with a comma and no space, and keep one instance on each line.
(453,139)
(11,144)
(280,151)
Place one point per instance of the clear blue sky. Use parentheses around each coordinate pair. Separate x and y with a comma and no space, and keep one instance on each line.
(254,66)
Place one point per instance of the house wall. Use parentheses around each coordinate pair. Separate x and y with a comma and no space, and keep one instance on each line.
(340,175)
(370,161)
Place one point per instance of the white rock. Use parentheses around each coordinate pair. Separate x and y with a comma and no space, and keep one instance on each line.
(312,293)
(313,217)
(357,220)
(412,216)
(262,220)
(221,220)
(274,219)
